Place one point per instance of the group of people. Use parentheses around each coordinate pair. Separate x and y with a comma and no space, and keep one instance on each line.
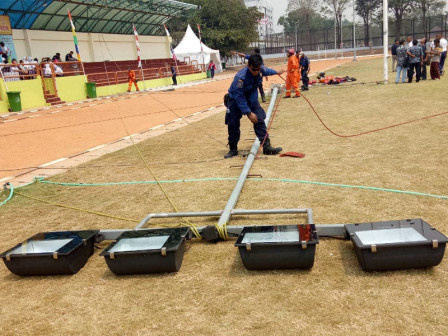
(22,70)
(413,57)
(298,68)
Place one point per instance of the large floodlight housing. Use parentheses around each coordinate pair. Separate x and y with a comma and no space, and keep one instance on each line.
(398,244)
(51,253)
(147,251)
(278,247)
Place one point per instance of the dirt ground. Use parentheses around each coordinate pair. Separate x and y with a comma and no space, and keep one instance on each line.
(30,139)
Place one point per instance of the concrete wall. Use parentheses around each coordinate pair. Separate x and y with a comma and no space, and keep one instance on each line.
(94,47)
(74,88)
(31,93)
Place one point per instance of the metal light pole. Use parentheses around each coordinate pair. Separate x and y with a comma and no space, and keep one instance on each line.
(354,34)
(385,40)
(295,26)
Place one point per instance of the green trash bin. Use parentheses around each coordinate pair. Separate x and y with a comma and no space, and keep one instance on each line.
(223,66)
(209,75)
(15,103)
(91,90)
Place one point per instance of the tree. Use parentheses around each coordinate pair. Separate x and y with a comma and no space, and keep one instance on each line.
(336,8)
(428,6)
(303,15)
(365,9)
(226,24)
(399,8)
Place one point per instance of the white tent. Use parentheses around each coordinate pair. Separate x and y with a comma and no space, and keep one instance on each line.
(190,47)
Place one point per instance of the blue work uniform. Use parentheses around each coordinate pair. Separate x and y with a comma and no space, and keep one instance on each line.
(260,88)
(305,64)
(243,99)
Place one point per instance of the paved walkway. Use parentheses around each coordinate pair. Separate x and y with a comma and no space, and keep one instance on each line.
(51,140)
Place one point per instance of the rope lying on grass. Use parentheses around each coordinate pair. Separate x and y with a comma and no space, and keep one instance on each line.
(366,132)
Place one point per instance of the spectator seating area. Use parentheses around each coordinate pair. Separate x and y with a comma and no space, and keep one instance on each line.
(116,72)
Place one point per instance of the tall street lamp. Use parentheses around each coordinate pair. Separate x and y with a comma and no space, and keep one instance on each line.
(354,34)
(295,26)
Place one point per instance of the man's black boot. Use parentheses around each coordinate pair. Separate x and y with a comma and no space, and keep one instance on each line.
(232,152)
(268,150)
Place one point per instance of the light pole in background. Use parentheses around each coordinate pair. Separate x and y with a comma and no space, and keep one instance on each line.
(295,26)
(354,34)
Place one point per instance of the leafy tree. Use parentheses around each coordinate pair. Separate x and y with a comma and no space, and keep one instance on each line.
(399,8)
(336,8)
(425,7)
(304,15)
(225,24)
(365,9)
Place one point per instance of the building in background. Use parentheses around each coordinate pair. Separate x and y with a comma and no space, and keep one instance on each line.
(266,24)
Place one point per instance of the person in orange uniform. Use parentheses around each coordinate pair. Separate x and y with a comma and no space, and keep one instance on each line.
(131,78)
(293,77)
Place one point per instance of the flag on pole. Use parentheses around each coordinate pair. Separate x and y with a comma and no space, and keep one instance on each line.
(75,39)
(171,48)
(137,44)
(200,38)
(166,30)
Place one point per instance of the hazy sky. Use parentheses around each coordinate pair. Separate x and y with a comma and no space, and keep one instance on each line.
(279,10)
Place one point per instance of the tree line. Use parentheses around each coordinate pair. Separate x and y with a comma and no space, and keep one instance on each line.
(228,25)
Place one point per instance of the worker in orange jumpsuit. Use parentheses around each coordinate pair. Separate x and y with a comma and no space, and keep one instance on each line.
(293,77)
(131,78)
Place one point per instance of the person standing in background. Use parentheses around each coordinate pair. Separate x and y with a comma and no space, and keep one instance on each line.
(211,68)
(393,51)
(132,80)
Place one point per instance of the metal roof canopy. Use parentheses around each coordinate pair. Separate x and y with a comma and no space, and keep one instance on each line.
(95,16)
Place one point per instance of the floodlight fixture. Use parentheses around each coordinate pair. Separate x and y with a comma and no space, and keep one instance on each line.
(147,251)
(397,244)
(278,247)
(51,253)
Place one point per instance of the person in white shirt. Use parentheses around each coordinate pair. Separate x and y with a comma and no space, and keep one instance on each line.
(443,45)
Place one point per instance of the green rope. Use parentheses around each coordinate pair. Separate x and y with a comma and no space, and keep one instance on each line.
(10,195)
(42,180)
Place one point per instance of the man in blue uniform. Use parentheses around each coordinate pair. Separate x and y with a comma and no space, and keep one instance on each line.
(304,65)
(243,100)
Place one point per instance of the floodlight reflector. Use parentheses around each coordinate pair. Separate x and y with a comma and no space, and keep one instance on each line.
(147,251)
(51,253)
(278,247)
(398,244)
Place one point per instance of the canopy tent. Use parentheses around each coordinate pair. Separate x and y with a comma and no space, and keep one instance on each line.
(190,46)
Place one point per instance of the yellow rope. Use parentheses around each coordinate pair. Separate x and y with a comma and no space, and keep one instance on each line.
(188,223)
(79,209)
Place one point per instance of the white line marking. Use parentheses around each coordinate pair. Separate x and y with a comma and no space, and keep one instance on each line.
(75,108)
(125,138)
(156,127)
(34,110)
(52,162)
(93,104)
(20,113)
(6,178)
(95,148)
(9,120)
(178,119)
(196,113)
(34,116)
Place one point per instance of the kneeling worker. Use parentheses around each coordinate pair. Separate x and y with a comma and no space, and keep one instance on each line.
(243,100)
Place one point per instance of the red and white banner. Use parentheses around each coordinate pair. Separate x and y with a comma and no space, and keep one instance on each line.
(137,44)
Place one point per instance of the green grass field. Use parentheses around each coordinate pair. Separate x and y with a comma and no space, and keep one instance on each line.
(213,294)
